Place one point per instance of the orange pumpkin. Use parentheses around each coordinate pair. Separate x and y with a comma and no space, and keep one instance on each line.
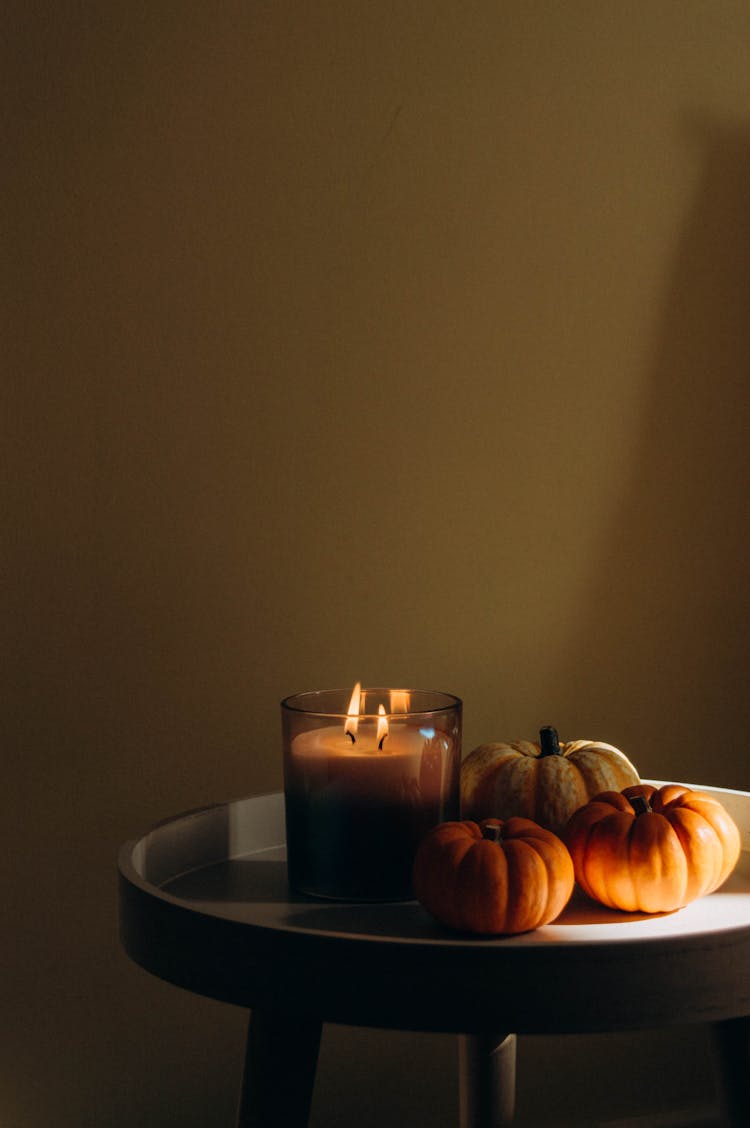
(497,877)
(651,849)
(545,782)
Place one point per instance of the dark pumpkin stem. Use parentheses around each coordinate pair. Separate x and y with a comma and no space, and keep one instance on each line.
(640,805)
(493,833)
(550,741)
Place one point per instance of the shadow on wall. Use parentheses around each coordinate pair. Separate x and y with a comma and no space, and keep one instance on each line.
(665,635)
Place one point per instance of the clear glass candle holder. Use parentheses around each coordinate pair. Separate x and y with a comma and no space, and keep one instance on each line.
(362,787)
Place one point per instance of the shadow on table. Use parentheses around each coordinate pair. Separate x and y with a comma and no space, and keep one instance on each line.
(408,920)
(582,910)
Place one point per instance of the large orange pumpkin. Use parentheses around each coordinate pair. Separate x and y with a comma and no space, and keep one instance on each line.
(651,849)
(497,877)
(545,782)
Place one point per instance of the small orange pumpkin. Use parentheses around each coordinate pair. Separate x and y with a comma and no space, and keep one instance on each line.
(496,877)
(545,782)
(652,850)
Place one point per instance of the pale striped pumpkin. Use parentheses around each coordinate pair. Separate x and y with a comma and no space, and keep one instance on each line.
(545,781)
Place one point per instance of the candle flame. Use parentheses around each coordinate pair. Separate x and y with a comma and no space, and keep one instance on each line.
(400,701)
(382,732)
(350,727)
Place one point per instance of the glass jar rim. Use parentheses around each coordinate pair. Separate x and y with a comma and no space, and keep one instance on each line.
(442,702)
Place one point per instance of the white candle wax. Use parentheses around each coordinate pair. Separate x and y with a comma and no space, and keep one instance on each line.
(361,791)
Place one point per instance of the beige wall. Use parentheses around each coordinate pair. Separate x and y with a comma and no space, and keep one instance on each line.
(403,342)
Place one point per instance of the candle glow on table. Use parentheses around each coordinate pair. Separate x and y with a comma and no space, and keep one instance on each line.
(363,783)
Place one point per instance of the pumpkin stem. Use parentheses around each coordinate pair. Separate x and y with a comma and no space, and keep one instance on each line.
(640,805)
(550,742)
(493,832)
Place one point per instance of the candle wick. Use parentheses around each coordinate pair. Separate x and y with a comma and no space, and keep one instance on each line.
(380,742)
(351,736)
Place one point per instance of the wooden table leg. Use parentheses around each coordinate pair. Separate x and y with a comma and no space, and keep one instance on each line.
(280,1062)
(731,1053)
(487,1080)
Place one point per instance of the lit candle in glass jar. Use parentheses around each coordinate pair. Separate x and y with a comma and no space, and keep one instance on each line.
(363,783)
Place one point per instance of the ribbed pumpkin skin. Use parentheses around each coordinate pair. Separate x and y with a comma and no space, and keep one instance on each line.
(658,861)
(474,884)
(501,780)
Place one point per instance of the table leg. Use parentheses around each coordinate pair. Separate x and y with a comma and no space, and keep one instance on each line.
(731,1054)
(487,1080)
(280,1062)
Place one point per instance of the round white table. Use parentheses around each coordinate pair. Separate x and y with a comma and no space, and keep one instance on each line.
(204,904)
